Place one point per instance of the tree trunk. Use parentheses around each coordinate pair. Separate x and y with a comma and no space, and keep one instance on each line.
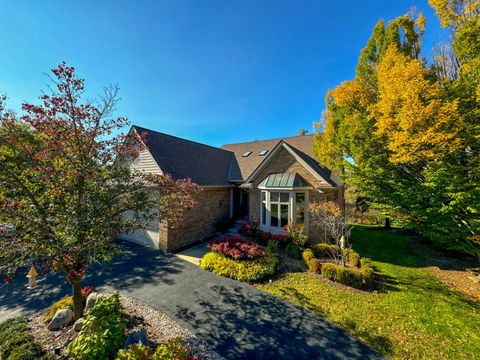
(387,223)
(77,298)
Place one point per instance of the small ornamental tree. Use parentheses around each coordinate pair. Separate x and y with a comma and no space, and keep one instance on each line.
(65,185)
(329,216)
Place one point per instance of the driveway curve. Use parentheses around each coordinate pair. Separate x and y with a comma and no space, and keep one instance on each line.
(237,320)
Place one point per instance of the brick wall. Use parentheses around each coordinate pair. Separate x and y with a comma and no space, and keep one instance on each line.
(283,161)
(199,223)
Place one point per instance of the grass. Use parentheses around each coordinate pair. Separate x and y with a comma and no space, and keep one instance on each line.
(413,316)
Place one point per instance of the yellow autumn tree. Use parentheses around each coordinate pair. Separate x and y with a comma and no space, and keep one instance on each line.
(419,123)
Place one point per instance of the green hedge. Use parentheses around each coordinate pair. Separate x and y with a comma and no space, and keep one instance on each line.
(352,257)
(309,258)
(243,270)
(17,343)
(322,250)
(347,275)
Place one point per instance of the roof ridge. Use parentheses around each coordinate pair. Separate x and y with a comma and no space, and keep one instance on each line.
(179,138)
(278,139)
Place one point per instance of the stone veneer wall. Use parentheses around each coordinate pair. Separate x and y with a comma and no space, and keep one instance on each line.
(283,161)
(199,222)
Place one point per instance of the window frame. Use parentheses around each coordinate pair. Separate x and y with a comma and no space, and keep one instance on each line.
(265,209)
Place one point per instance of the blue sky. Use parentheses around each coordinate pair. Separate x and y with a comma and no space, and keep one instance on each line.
(211,71)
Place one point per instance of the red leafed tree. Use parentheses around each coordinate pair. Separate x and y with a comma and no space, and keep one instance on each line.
(66,182)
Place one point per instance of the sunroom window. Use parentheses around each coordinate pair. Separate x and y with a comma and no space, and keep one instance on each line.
(283,201)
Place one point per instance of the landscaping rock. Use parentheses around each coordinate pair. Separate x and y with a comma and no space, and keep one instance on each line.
(62,318)
(139,337)
(78,325)
(91,300)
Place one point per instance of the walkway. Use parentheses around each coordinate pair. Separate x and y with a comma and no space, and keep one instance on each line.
(237,320)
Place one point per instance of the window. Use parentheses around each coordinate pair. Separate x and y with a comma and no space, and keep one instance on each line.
(246,154)
(263,153)
(299,208)
(280,208)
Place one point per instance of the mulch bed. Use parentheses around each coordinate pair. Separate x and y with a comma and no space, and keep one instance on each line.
(160,329)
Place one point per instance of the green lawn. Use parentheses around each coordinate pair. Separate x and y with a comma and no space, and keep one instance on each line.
(414,316)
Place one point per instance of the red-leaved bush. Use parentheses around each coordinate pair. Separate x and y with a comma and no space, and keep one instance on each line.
(237,248)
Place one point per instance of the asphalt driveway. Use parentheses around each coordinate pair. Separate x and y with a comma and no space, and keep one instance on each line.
(236,320)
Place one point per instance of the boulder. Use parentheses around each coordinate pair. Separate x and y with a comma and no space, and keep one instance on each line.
(139,337)
(78,325)
(62,318)
(91,300)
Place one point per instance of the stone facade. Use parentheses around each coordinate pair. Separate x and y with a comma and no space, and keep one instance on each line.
(199,222)
(284,162)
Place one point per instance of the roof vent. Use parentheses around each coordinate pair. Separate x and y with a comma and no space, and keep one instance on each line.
(247,154)
(263,152)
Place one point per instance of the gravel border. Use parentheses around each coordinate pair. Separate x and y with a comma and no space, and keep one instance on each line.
(160,328)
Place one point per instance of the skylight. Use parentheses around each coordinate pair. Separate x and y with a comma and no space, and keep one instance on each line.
(247,154)
(263,152)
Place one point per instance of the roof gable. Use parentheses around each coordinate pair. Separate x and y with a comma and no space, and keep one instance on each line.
(302,158)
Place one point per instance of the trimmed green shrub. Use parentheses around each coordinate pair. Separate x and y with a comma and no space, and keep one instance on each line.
(347,275)
(308,255)
(103,331)
(352,257)
(322,250)
(309,258)
(7,324)
(17,343)
(243,270)
(14,341)
(28,351)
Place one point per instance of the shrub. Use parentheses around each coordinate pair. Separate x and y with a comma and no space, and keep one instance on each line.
(103,331)
(251,232)
(63,303)
(16,341)
(307,255)
(352,257)
(322,250)
(175,350)
(28,351)
(237,248)
(346,275)
(243,270)
(295,240)
(135,352)
(13,341)
(309,258)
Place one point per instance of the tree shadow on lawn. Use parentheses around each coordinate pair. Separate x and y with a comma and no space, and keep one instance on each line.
(250,324)
(404,248)
(132,269)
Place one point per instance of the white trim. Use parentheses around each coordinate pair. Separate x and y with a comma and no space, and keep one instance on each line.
(291,211)
(302,188)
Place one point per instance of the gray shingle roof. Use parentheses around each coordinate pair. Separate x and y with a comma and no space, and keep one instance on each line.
(204,164)
(208,165)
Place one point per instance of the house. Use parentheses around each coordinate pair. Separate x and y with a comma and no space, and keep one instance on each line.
(267,181)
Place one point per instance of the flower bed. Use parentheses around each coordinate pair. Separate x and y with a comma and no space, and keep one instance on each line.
(237,248)
(243,270)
